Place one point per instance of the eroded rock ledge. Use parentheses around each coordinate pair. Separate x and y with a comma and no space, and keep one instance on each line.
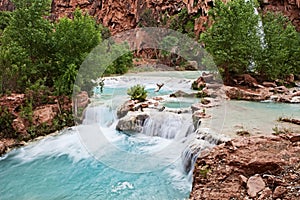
(249,168)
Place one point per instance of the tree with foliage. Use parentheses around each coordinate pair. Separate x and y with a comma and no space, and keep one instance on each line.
(73,40)
(280,56)
(233,39)
(25,45)
(35,50)
(183,22)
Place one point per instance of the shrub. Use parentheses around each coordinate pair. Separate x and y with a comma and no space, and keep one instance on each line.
(137,92)
(6,119)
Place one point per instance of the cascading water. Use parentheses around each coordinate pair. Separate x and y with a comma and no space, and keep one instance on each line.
(64,167)
(260,29)
(165,124)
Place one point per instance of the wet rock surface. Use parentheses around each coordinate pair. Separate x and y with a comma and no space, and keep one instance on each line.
(265,167)
(132,123)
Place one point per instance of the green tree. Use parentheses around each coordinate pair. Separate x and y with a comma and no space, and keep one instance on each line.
(73,39)
(281,52)
(25,45)
(233,39)
(5,17)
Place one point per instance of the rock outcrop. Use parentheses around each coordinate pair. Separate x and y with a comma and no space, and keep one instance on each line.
(124,15)
(119,15)
(277,94)
(249,168)
(26,116)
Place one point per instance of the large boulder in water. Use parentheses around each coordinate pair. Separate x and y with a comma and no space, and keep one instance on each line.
(125,108)
(132,123)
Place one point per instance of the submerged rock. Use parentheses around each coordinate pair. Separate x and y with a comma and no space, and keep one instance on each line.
(180,93)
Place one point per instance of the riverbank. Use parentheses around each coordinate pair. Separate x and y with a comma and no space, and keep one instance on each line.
(264,167)
(25,117)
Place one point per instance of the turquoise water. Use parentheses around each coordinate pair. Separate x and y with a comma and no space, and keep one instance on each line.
(255,117)
(178,104)
(59,167)
(62,167)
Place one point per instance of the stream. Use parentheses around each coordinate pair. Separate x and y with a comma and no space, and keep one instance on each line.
(95,161)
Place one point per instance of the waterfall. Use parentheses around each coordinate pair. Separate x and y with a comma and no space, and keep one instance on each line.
(190,154)
(202,139)
(166,125)
(260,29)
(102,115)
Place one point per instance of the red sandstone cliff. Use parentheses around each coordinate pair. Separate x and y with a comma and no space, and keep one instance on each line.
(124,15)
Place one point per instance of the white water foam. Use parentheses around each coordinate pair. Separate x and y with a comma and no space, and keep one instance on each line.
(54,146)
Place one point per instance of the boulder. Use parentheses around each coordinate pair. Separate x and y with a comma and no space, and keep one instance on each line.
(279,191)
(125,108)
(246,94)
(246,79)
(284,99)
(281,89)
(296,93)
(3,148)
(253,158)
(295,99)
(132,122)
(199,84)
(181,93)
(19,126)
(208,78)
(255,184)
(265,194)
(290,78)
(197,116)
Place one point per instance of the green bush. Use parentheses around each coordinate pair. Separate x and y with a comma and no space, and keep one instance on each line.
(137,92)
